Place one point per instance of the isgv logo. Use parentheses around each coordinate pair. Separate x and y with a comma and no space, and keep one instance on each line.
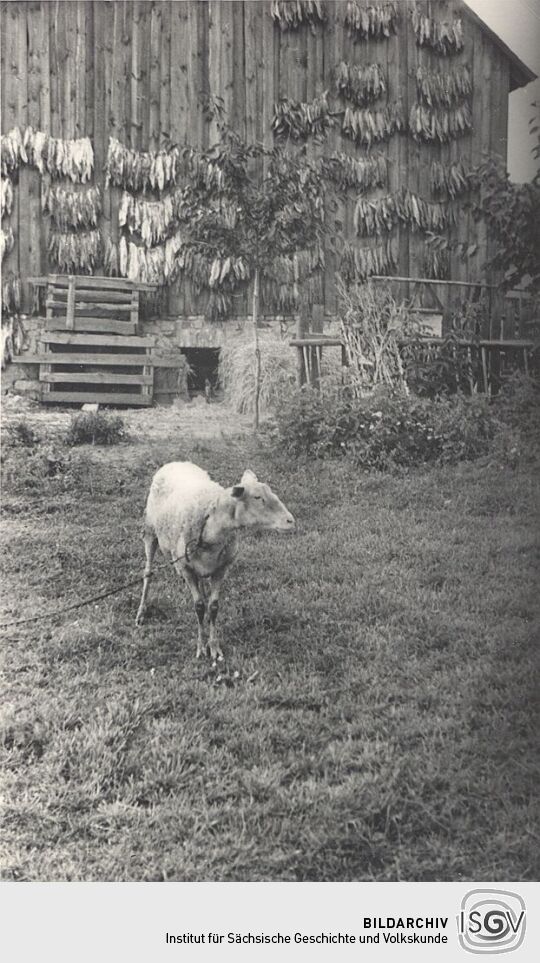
(491,921)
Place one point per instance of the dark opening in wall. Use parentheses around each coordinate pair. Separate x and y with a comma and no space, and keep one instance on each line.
(204,367)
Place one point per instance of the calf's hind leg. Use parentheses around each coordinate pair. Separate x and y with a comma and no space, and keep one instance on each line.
(150,546)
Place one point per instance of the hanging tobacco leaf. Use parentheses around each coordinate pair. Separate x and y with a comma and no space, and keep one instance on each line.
(298,120)
(443,36)
(361,84)
(369,127)
(142,170)
(429,124)
(382,214)
(12,151)
(75,253)
(437,258)
(359,263)
(7,240)
(11,294)
(72,209)
(290,14)
(450,179)
(7,196)
(72,158)
(435,89)
(375,21)
(360,173)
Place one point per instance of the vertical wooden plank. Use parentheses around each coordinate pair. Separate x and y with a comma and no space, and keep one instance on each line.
(15,83)
(101,138)
(116,98)
(485,137)
(332,53)
(44,113)
(89,73)
(22,70)
(155,75)
(80,71)
(3,55)
(396,153)
(193,81)
(165,74)
(459,151)
(55,95)
(11,118)
(500,83)
(183,112)
(144,85)
(350,52)
(251,24)
(135,107)
(44,68)
(29,178)
(69,40)
(71,68)
(239,53)
(269,74)
(70,307)
(214,58)
(203,90)
(414,148)
(225,90)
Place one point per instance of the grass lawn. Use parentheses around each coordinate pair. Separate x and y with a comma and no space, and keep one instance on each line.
(381,724)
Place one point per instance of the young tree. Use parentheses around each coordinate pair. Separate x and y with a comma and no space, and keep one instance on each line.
(246,210)
(512,213)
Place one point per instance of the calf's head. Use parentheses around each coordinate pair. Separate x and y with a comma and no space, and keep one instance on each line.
(258,508)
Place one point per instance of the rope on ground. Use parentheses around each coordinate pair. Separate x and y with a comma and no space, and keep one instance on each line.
(94,598)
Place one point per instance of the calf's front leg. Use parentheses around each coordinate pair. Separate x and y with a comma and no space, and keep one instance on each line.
(197,595)
(216,581)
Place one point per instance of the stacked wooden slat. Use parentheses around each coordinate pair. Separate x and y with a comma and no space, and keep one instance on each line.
(90,349)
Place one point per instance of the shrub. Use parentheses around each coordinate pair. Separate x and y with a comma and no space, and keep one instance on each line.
(385,430)
(94,428)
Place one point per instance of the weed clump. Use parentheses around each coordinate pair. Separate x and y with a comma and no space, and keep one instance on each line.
(21,435)
(94,428)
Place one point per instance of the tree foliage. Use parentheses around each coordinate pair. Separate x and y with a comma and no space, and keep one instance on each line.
(265,204)
(512,214)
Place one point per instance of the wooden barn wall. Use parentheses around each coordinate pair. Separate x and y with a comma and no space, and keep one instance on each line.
(140,70)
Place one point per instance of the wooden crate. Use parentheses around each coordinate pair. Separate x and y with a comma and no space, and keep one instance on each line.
(76,303)
(90,348)
(100,368)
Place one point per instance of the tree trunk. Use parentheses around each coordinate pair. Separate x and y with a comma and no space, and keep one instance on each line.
(255,319)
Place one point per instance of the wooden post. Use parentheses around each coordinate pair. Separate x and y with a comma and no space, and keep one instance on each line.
(485,369)
(317,323)
(255,322)
(70,309)
(134,313)
(301,371)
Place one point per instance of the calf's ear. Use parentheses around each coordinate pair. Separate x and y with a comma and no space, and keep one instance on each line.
(248,476)
(237,491)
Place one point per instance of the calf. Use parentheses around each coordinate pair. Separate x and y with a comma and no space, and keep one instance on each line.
(195,522)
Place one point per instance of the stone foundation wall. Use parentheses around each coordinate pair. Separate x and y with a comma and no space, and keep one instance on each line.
(22,379)
(172,335)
